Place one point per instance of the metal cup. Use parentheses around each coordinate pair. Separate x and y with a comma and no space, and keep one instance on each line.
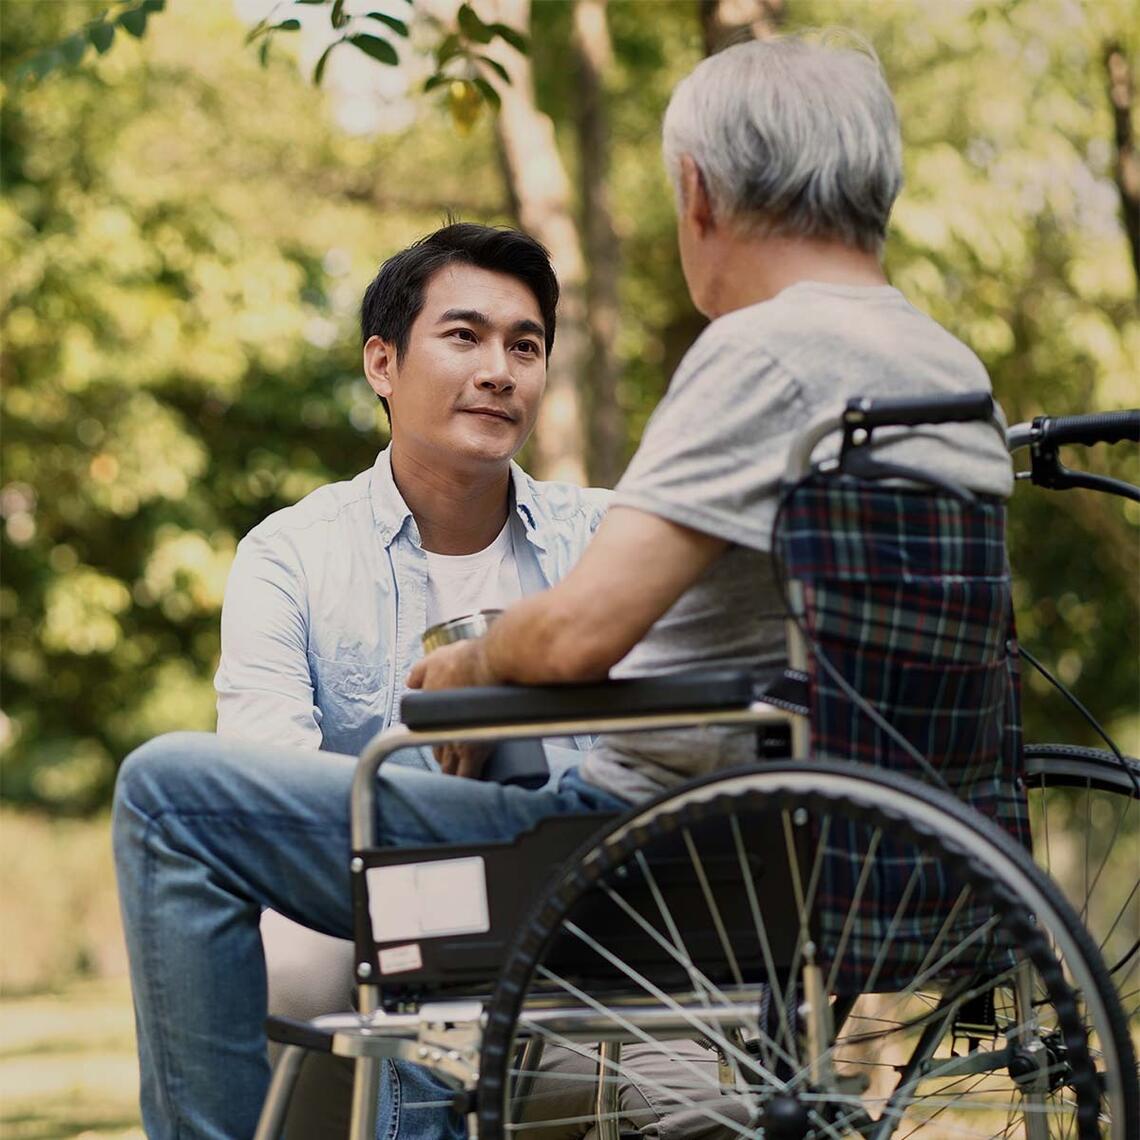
(458,629)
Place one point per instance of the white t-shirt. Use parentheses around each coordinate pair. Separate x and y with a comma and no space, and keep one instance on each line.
(460,584)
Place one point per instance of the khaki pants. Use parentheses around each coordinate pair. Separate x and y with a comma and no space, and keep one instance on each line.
(657,1097)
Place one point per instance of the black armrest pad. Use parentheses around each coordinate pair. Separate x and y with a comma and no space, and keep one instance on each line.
(289,1031)
(534,704)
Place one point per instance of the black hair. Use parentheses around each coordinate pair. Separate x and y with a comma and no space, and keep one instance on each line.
(395,296)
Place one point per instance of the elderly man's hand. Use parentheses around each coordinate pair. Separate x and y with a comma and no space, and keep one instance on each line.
(456,666)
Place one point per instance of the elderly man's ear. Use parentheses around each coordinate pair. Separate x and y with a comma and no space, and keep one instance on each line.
(379,358)
(696,204)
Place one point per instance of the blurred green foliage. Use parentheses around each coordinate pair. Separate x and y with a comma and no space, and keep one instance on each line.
(186,237)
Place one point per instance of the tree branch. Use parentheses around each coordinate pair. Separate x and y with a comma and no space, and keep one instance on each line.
(725,22)
(1127,167)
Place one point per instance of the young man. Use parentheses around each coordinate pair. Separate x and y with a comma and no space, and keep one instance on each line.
(327,599)
(785,156)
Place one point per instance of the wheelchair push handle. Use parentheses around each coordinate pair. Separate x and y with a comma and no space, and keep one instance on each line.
(1045,434)
(1099,427)
(863,414)
(966,407)
(1095,427)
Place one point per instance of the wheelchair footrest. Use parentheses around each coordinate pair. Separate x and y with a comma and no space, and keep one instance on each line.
(287,1031)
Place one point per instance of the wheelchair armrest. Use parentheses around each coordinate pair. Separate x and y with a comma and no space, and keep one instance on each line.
(289,1031)
(695,691)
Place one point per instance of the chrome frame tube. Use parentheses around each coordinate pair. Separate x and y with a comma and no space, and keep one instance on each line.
(392,740)
(365,1093)
(271,1122)
(607,1093)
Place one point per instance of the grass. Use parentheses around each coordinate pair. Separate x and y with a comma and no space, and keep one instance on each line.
(58,907)
(67,1064)
(67,1040)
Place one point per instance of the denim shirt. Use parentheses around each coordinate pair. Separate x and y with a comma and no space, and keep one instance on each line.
(325,604)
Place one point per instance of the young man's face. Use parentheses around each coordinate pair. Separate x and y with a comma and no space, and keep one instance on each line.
(468,386)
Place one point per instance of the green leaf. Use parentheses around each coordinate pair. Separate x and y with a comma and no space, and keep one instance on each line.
(101,35)
(321,2)
(448,49)
(338,18)
(472,27)
(258,29)
(71,49)
(434,81)
(515,38)
(319,70)
(133,20)
(263,51)
(288,26)
(488,92)
(154,5)
(46,62)
(398,26)
(377,48)
(496,67)
(27,71)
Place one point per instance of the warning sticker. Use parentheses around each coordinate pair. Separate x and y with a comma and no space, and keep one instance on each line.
(399,959)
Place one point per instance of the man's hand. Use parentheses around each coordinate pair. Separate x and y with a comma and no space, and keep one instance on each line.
(456,666)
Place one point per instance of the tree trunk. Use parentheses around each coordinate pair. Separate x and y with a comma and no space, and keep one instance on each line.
(725,22)
(1120,95)
(538,184)
(606,432)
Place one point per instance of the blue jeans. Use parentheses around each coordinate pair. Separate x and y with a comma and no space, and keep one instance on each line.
(207,832)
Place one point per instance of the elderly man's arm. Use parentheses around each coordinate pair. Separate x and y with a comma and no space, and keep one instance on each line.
(636,567)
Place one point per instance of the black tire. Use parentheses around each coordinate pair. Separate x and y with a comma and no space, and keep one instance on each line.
(1085,821)
(1045,1040)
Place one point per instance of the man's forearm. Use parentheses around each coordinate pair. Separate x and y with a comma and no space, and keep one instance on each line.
(537,642)
(631,573)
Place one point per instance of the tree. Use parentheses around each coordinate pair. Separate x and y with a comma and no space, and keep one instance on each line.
(593,52)
(1120,97)
(543,204)
(186,244)
(186,238)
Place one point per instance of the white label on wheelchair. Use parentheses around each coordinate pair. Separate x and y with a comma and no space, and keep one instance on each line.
(428,900)
(398,959)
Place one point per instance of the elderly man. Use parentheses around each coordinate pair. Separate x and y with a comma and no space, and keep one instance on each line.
(785,157)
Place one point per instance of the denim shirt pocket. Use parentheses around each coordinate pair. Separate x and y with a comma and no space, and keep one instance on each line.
(352,695)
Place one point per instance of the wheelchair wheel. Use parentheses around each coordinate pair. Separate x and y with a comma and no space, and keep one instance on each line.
(861,955)
(1084,807)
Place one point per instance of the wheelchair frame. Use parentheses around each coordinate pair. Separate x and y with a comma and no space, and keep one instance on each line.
(446,1035)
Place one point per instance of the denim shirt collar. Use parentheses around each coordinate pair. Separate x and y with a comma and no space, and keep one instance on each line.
(391,514)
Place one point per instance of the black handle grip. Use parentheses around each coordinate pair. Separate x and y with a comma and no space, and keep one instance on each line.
(1097,427)
(907,412)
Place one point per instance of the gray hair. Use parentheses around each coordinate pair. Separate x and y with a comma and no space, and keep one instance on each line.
(792,136)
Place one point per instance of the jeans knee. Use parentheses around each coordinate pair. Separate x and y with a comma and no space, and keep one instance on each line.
(149,777)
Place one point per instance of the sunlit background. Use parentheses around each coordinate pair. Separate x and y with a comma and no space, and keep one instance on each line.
(186,234)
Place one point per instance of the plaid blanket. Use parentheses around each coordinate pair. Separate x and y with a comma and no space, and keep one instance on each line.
(908,594)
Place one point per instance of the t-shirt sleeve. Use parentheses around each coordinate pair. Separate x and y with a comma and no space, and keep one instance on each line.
(714,451)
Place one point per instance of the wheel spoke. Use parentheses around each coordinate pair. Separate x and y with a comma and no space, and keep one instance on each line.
(691,919)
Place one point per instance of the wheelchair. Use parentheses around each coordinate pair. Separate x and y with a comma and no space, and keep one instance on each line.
(860,951)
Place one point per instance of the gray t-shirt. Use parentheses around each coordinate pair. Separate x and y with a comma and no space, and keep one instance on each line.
(712,457)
